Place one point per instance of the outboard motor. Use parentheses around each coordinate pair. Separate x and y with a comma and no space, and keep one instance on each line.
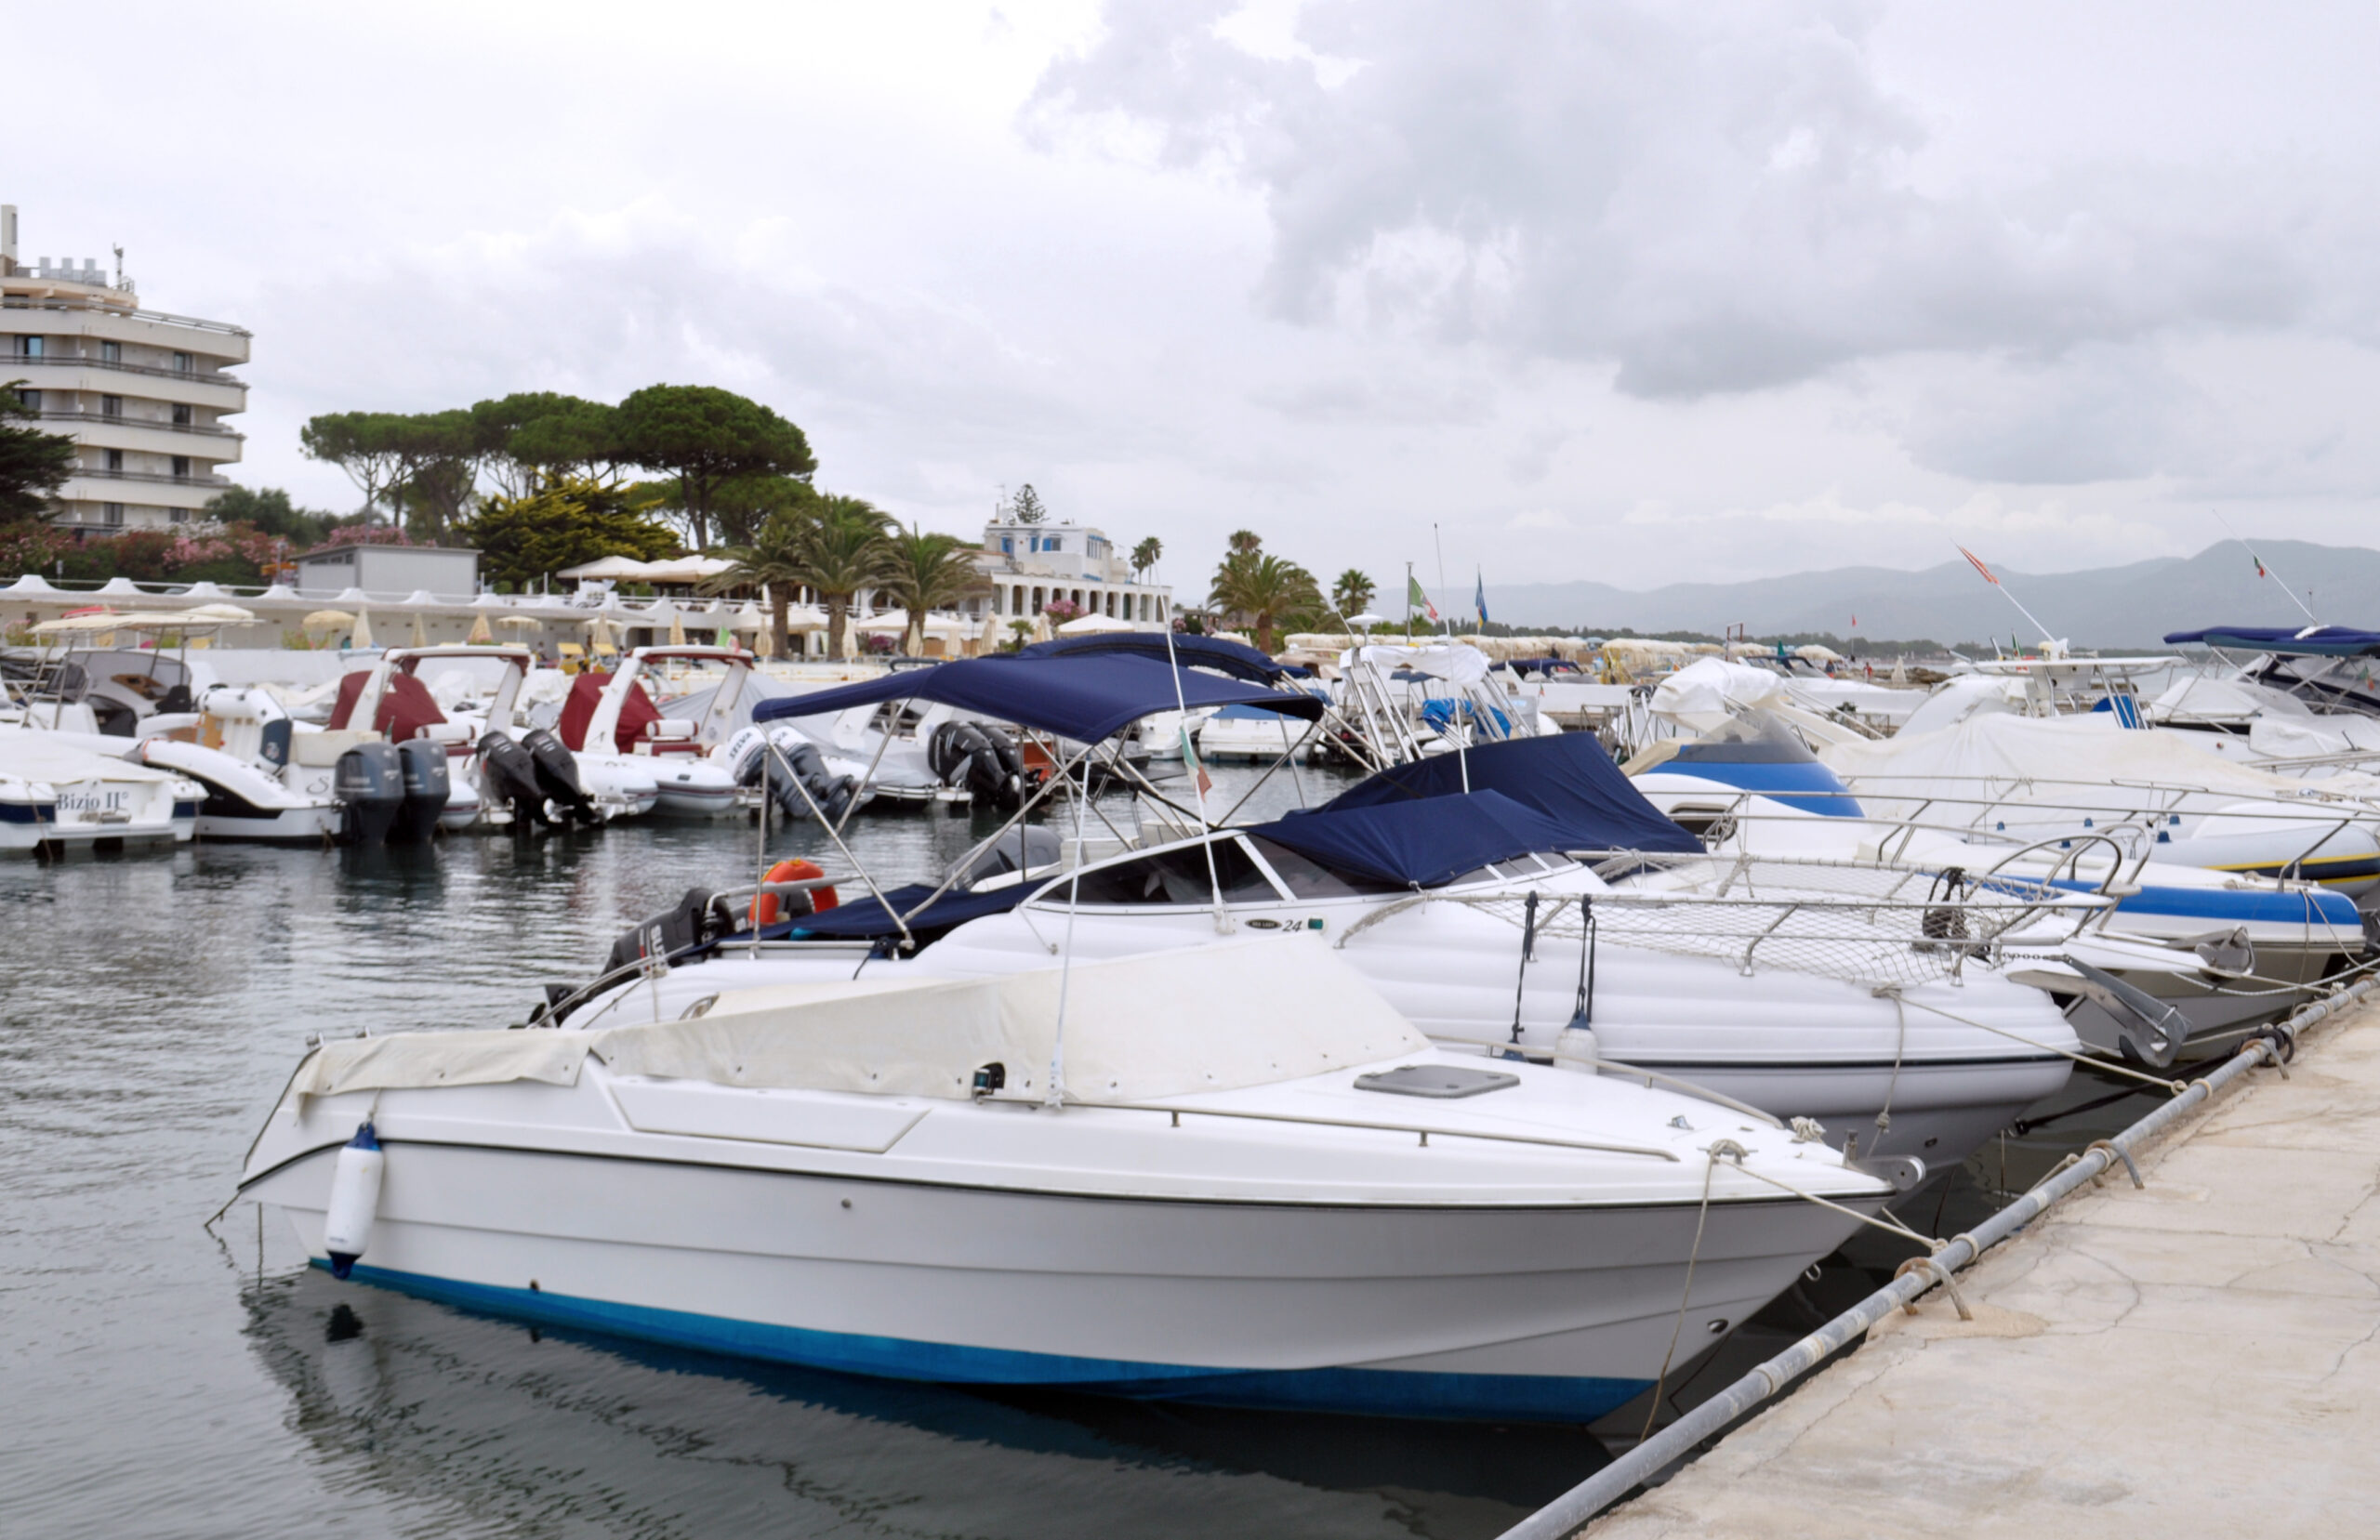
(982,759)
(558,775)
(832,793)
(370,785)
(511,775)
(1019,849)
(694,922)
(422,765)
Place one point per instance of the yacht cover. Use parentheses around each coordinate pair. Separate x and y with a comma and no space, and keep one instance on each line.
(2082,761)
(1237,659)
(1569,779)
(1073,696)
(1700,693)
(1455,661)
(56,757)
(1171,1023)
(864,919)
(1422,842)
(424,1059)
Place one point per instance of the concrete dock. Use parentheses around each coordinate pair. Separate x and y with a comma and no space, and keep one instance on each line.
(2195,1358)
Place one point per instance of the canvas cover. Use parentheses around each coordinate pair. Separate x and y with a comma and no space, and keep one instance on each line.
(1567,779)
(426,1058)
(1203,1019)
(1699,694)
(1171,1023)
(1420,843)
(1235,659)
(1455,661)
(2078,761)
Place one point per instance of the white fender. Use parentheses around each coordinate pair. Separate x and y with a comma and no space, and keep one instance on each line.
(355,1199)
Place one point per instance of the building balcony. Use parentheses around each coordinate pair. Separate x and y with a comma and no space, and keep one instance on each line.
(64,316)
(103,419)
(100,377)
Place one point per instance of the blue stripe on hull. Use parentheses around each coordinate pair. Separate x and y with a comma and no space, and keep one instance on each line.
(2209,903)
(1370,1392)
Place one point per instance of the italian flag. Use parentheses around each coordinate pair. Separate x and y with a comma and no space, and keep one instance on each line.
(1416,599)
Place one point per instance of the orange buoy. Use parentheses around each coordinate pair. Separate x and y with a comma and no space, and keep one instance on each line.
(765,908)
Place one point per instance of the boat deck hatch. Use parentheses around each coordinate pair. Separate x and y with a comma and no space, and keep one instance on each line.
(1437,1080)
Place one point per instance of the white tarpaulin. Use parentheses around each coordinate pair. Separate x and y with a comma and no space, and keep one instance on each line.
(1203,1019)
(426,1058)
(1699,694)
(1455,661)
(2085,762)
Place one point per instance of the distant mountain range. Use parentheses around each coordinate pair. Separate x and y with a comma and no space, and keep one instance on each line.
(2108,607)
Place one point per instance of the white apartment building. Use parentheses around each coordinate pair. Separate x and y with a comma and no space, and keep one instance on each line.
(1034,566)
(142,394)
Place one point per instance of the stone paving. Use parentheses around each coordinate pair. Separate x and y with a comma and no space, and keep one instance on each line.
(2194,1359)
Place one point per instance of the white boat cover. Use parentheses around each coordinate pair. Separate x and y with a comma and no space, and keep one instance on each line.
(1202,1018)
(1699,694)
(408,1059)
(1455,661)
(2085,760)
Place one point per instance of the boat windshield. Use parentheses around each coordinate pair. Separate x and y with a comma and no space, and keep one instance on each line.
(1307,879)
(1174,876)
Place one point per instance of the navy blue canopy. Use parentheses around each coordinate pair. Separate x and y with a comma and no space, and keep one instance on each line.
(1085,699)
(1417,842)
(1567,780)
(865,919)
(1237,659)
(2329,641)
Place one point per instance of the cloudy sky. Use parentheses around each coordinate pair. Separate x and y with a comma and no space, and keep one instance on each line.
(1638,293)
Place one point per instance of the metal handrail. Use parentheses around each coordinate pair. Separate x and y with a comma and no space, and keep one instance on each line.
(208,479)
(118,419)
(67,360)
(1603,1146)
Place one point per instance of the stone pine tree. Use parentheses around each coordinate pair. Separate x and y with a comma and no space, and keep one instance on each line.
(1027,507)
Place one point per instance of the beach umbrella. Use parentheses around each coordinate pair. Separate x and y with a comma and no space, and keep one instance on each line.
(1092,626)
(677,628)
(363,637)
(1042,628)
(222,614)
(481,636)
(420,633)
(990,642)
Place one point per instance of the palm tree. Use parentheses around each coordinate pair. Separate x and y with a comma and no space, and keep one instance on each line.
(927,571)
(778,559)
(844,551)
(1245,541)
(1146,553)
(1351,594)
(1262,589)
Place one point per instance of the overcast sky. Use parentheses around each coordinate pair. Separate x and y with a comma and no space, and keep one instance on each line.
(1632,293)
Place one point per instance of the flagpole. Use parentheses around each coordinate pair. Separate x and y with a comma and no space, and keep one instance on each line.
(1446,621)
(2011,597)
(2263,570)
(1408,605)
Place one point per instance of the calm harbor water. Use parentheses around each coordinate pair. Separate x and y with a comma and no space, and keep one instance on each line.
(164,1380)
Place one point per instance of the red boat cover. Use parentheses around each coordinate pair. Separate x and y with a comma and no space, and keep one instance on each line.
(405,706)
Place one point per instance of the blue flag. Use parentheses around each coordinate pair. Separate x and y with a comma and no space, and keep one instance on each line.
(1479,595)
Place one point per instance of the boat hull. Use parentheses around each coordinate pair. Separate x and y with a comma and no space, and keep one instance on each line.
(1534,1312)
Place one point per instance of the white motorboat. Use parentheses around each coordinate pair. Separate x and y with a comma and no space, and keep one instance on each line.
(616,713)
(1237,1176)
(2229,950)
(56,796)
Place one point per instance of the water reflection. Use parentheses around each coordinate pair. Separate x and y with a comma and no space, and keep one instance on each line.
(498,1429)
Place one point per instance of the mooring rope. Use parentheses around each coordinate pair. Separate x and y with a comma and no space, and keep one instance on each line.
(1720,1149)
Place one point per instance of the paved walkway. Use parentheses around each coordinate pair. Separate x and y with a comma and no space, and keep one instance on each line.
(2196,1358)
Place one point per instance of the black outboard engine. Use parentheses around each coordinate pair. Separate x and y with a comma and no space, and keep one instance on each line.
(422,765)
(1018,850)
(982,759)
(512,776)
(369,782)
(832,793)
(558,775)
(694,922)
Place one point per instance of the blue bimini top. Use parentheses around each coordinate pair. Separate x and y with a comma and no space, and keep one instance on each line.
(1077,697)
